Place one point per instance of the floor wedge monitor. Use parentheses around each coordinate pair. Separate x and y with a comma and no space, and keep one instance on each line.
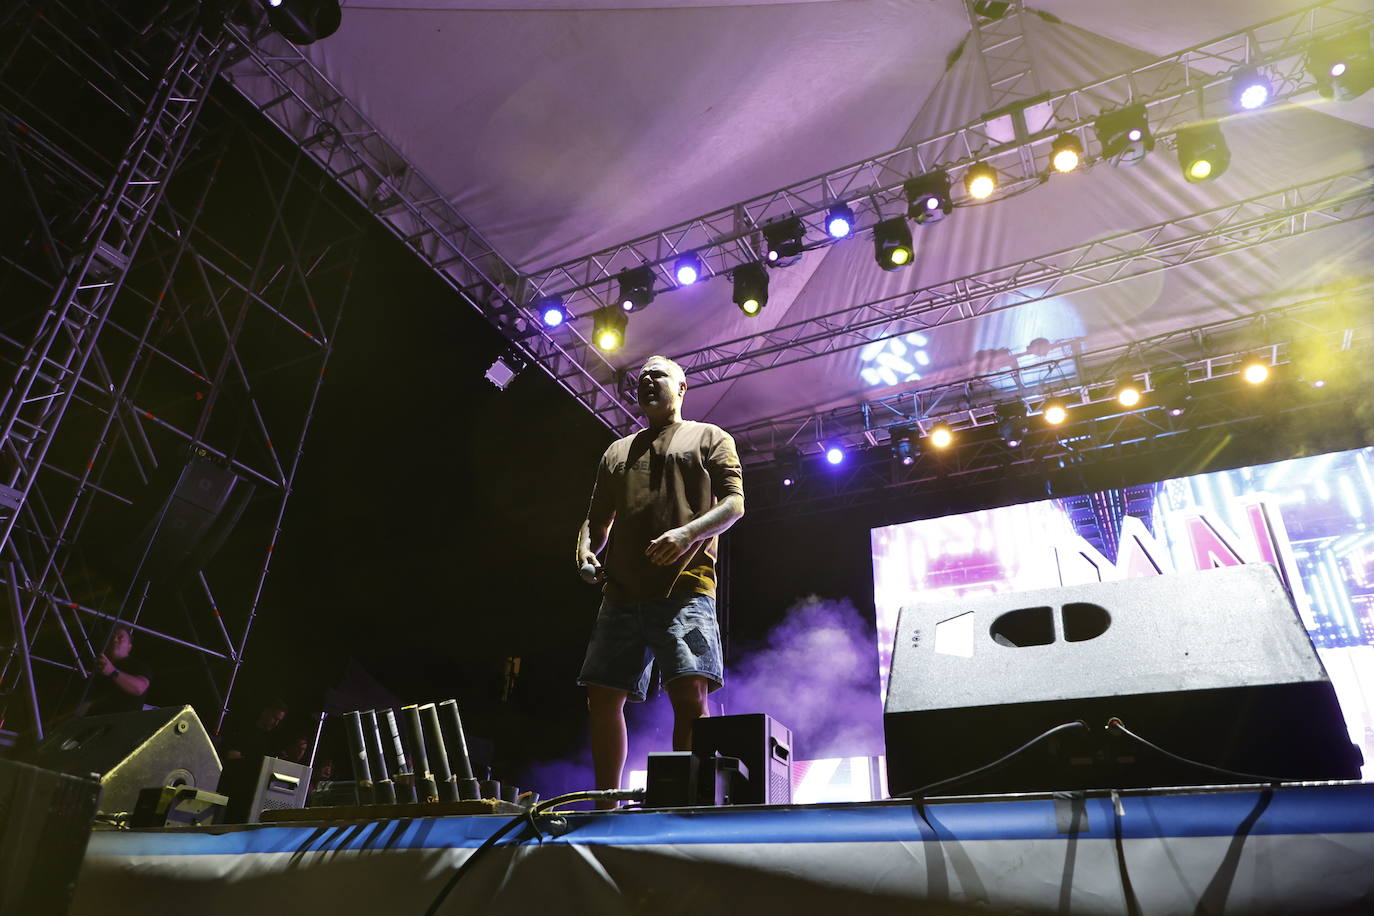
(1214,667)
(132,751)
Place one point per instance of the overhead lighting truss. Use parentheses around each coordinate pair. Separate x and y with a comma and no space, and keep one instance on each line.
(1189,239)
(1001,50)
(1014,140)
(283,84)
(1201,353)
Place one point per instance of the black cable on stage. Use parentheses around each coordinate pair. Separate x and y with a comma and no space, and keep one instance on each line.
(917,793)
(1119,841)
(525,817)
(1115,724)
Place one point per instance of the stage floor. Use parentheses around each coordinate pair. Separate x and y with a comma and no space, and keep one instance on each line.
(1294,849)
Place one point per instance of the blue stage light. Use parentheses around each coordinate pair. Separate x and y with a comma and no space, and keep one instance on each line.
(839,222)
(688,269)
(552,312)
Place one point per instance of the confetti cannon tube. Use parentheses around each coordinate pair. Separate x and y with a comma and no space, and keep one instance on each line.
(434,737)
(385,788)
(425,788)
(357,748)
(462,763)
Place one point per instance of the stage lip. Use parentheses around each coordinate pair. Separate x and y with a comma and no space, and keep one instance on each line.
(1334,808)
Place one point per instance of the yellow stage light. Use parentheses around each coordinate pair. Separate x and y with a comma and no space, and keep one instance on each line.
(980,181)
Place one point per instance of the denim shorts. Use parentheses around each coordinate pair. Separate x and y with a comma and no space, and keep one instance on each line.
(680,632)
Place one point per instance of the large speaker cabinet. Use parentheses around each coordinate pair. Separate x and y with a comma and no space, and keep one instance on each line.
(45,823)
(132,751)
(1214,666)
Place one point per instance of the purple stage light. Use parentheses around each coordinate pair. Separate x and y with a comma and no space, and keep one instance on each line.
(834,454)
(839,222)
(687,269)
(553,313)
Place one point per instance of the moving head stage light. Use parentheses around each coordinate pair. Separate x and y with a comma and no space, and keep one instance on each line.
(1343,65)
(928,198)
(1125,135)
(1202,151)
(636,288)
(784,241)
(892,243)
(750,288)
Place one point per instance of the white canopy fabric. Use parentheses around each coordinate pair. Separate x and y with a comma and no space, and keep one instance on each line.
(561,127)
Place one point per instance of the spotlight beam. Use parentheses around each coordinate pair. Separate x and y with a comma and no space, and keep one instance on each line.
(1190,239)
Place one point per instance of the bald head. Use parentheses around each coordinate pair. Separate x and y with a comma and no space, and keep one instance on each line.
(661,385)
(672,367)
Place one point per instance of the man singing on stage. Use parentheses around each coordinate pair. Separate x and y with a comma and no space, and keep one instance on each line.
(661,497)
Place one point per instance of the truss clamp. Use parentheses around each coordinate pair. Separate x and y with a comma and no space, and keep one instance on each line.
(109,262)
(10,498)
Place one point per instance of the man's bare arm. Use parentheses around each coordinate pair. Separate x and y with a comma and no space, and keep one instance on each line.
(669,546)
(591,540)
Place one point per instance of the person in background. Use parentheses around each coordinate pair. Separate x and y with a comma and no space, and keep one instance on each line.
(117,681)
(243,751)
(257,741)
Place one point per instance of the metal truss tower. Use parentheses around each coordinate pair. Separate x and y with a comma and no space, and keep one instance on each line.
(1003,51)
(165,349)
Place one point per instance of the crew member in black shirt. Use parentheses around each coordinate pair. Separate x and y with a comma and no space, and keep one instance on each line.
(118,681)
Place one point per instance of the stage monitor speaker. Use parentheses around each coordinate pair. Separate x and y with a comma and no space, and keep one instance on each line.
(45,821)
(281,784)
(1213,666)
(761,743)
(132,751)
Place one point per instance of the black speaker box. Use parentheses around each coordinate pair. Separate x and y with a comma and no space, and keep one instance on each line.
(189,528)
(761,743)
(132,751)
(45,822)
(1213,666)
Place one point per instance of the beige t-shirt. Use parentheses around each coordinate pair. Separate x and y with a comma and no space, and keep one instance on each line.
(655,480)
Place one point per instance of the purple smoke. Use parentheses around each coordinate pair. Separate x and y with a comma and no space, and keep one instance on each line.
(816,673)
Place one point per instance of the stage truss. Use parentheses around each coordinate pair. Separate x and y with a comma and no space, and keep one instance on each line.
(1319,406)
(148,334)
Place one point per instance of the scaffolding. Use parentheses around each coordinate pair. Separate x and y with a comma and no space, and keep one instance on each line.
(165,343)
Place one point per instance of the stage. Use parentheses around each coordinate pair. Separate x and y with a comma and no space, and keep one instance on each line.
(1304,848)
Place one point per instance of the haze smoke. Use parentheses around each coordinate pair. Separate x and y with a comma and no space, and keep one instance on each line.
(816,673)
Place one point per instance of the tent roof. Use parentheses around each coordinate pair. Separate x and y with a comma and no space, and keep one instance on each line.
(558,129)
